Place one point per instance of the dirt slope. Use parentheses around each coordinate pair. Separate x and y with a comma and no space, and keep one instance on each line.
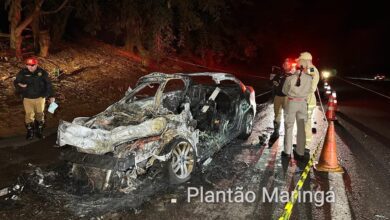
(87,77)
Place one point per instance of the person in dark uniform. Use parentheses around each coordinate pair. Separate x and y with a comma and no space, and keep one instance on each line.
(34,85)
(280,98)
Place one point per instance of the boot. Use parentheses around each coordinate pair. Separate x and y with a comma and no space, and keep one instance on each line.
(275,134)
(39,130)
(30,131)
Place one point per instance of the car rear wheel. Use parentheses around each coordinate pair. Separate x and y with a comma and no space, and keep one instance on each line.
(247,126)
(182,163)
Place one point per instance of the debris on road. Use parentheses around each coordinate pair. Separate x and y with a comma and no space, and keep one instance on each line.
(263,139)
(12,192)
(38,176)
(4,191)
(381,217)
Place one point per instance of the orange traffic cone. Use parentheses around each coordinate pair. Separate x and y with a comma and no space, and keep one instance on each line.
(328,159)
(335,107)
(328,93)
(330,112)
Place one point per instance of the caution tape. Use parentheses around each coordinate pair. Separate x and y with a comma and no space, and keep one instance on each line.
(212,68)
(255,76)
(194,64)
(289,206)
(264,93)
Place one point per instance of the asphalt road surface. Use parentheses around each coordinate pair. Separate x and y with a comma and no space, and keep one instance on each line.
(364,127)
(253,165)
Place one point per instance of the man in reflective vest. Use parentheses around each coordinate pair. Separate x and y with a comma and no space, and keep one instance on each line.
(306,60)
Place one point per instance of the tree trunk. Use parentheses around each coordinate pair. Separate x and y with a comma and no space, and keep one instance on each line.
(16,42)
(135,46)
(17,26)
(12,38)
(36,32)
(18,45)
(58,28)
(14,18)
(44,43)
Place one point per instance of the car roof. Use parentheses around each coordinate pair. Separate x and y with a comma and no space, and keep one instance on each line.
(161,77)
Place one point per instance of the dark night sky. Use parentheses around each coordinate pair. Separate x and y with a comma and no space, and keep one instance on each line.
(347,35)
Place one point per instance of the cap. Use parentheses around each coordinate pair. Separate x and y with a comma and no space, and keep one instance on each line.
(31,61)
(305,56)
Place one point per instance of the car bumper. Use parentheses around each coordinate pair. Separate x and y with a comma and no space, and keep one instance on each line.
(106,162)
(87,140)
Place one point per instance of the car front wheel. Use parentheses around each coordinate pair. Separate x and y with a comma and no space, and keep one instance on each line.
(247,125)
(182,163)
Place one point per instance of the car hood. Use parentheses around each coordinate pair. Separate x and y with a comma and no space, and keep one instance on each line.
(120,114)
(99,141)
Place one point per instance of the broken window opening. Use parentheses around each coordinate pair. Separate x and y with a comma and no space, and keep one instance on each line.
(173,95)
(143,91)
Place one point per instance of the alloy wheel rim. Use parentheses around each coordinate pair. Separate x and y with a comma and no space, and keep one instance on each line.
(182,160)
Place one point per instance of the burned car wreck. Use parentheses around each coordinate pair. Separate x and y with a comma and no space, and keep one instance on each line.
(177,119)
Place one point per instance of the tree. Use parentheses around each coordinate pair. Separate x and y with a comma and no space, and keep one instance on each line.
(154,28)
(17,25)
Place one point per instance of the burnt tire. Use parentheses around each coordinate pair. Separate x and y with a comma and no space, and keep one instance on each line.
(182,164)
(247,126)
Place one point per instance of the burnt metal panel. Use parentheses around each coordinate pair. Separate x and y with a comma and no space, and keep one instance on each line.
(106,162)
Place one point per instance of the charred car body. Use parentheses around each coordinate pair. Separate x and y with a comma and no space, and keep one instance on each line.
(178,119)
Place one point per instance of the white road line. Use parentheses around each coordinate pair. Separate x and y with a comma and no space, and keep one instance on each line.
(340,209)
(367,79)
(388,97)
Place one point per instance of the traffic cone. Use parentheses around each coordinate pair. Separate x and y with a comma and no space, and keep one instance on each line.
(334,95)
(330,112)
(328,159)
(326,85)
(328,93)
